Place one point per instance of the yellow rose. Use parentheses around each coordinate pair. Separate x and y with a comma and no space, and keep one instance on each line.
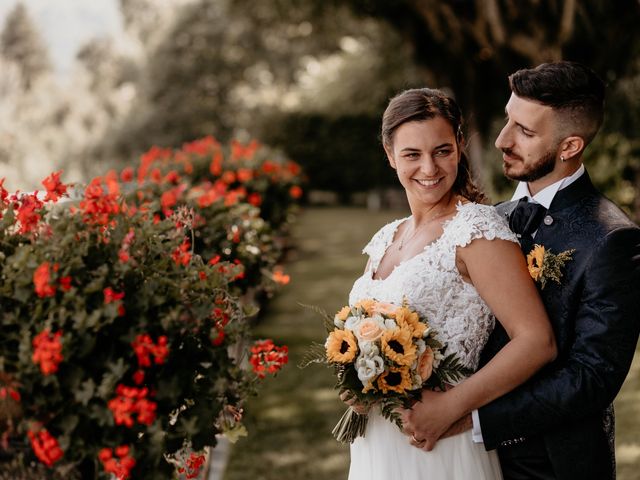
(369,330)
(425,364)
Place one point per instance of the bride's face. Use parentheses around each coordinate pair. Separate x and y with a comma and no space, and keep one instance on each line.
(425,156)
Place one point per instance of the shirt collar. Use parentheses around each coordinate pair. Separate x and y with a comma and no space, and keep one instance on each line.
(545,196)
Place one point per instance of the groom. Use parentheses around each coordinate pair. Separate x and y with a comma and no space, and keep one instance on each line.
(559,425)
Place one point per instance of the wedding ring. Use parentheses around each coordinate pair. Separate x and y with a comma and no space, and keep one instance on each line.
(413,437)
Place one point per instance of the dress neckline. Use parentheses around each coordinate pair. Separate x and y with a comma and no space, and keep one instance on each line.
(427,247)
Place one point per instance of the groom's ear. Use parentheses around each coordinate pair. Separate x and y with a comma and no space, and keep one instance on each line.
(572,146)
(389,153)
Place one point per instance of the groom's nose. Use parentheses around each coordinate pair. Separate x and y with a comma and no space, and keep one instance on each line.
(503,139)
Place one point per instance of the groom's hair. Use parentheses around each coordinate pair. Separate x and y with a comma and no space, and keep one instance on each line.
(571,89)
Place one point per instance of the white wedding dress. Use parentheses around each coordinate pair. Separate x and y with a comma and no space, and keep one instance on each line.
(432,285)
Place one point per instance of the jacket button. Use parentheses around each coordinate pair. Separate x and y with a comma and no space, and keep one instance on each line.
(548,220)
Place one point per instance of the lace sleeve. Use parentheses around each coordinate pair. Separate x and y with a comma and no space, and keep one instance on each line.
(379,242)
(480,221)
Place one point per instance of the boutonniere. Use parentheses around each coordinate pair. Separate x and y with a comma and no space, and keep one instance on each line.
(545,266)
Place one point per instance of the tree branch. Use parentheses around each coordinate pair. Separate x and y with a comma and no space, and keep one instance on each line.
(567,21)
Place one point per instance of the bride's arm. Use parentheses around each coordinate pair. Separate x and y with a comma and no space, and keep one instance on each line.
(499,273)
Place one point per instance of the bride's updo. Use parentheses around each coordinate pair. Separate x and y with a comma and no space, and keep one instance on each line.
(424,104)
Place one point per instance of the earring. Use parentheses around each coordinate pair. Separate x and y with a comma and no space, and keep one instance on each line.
(562,159)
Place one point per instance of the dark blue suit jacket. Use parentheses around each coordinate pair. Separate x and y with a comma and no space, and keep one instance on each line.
(595,313)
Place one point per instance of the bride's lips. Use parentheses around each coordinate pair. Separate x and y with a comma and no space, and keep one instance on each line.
(428,183)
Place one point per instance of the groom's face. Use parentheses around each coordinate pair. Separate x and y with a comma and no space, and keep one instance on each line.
(529,140)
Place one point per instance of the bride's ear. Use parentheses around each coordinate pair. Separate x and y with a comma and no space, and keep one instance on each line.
(389,153)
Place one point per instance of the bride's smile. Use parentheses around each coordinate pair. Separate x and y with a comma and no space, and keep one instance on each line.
(425,155)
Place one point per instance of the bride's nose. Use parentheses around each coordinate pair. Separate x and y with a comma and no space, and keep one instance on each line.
(428,166)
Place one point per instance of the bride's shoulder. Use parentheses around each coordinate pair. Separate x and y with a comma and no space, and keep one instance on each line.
(476,220)
(383,236)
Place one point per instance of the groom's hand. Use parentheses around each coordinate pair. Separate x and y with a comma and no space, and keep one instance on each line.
(430,419)
(461,425)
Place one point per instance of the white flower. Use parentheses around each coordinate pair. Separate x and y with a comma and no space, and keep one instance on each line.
(390,324)
(369,367)
(416,381)
(437,356)
(368,349)
(352,323)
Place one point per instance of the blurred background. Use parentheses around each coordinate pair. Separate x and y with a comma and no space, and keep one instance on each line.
(89,85)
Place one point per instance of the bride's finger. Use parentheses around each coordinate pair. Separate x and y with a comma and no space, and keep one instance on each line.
(347,397)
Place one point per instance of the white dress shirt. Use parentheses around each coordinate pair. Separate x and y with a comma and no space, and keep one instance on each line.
(544,197)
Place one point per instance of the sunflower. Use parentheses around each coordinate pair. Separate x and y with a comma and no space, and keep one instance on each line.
(341,346)
(411,321)
(343,314)
(535,260)
(398,347)
(395,380)
(366,305)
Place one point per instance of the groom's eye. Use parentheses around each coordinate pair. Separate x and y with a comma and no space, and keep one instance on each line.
(526,132)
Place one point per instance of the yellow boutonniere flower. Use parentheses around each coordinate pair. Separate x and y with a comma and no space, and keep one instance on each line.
(544,265)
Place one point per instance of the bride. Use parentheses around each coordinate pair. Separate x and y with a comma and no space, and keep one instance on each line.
(457,263)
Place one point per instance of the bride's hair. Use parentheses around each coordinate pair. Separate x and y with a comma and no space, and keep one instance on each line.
(424,104)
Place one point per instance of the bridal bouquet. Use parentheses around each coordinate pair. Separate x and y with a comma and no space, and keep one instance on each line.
(383,354)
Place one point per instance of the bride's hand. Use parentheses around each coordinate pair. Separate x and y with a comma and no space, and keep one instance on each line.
(350,399)
(430,419)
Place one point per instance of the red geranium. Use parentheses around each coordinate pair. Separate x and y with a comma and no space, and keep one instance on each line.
(55,188)
(45,446)
(47,351)
(267,357)
(42,281)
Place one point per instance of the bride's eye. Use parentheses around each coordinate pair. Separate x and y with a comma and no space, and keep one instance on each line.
(442,153)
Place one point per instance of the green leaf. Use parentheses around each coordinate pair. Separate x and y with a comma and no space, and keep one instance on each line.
(111,378)
(85,392)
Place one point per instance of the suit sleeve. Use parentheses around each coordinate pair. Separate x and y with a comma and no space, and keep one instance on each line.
(585,379)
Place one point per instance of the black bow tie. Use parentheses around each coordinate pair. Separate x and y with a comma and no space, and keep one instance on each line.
(526,217)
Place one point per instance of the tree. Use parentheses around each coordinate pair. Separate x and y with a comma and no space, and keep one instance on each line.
(224,66)
(21,43)
(472,45)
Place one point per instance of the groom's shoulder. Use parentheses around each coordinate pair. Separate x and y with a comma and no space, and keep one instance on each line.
(609,215)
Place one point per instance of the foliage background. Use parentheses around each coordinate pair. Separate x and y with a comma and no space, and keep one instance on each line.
(310,77)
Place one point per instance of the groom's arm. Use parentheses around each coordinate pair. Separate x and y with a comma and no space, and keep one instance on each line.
(584,380)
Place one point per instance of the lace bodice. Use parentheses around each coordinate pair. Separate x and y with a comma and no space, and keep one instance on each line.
(431,283)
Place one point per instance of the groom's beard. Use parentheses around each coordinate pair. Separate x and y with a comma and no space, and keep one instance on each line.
(530,173)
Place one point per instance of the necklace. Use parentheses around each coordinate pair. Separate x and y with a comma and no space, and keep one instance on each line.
(406,238)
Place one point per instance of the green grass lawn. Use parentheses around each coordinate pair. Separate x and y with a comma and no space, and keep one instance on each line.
(290,422)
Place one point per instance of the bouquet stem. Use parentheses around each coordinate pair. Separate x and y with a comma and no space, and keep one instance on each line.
(351,426)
